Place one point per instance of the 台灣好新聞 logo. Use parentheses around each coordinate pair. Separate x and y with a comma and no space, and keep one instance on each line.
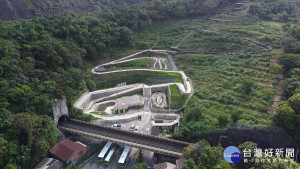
(232,155)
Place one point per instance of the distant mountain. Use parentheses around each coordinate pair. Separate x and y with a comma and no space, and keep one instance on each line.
(27,9)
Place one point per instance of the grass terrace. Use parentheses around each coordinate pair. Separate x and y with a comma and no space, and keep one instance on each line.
(149,78)
(177,99)
(266,32)
(134,64)
(212,42)
(231,80)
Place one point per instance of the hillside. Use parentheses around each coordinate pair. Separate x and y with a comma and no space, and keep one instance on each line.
(241,65)
(21,9)
(27,9)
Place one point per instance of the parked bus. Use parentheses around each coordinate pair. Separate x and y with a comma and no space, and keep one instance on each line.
(109,157)
(104,151)
(124,157)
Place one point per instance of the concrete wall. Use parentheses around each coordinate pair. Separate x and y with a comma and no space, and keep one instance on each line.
(162,89)
(60,108)
(88,97)
(102,122)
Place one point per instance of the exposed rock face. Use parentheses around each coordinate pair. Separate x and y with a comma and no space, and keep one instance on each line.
(26,9)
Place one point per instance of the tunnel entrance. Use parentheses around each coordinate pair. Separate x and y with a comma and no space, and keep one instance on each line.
(63,119)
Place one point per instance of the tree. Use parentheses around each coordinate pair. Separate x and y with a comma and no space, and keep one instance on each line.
(247,146)
(285,117)
(194,151)
(223,121)
(211,156)
(189,164)
(34,135)
(42,104)
(235,117)
(290,61)
(140,166)
(126,37)
(223,165)
(11,166)
(247,86)
(194,114)
(294,102)
(140,159)
(291,83)
(3,151)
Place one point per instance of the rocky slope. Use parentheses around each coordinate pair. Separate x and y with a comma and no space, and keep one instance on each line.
(26,9)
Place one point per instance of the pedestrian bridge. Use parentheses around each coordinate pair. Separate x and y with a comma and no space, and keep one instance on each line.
(146,142)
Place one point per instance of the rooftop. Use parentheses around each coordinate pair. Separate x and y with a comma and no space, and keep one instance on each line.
(124,155)
(105,149)
(49,163)
(165,165)
(64,149)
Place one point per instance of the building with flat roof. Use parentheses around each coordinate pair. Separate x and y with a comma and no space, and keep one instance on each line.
(68,151)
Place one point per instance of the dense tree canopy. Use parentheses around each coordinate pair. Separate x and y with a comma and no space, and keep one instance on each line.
(26,140)
(202,155)
(45,59)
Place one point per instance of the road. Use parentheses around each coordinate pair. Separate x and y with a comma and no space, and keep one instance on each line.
(93,163)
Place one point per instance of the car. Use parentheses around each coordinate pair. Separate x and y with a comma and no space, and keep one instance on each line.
(136,129)
(117,125)
(132,127)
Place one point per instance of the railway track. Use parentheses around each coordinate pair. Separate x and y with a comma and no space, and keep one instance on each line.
(162,144)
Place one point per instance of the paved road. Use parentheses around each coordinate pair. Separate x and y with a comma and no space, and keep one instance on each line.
(133,156)
(114,163)
(147,95)
(93,163)
(172,62)
(184,38)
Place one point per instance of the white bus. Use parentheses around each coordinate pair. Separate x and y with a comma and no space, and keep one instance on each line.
(109,157)
(124,157)
(104,151)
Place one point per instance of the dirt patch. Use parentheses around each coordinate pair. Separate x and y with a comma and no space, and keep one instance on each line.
(278,94)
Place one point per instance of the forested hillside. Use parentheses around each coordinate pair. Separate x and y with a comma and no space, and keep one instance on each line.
(45,59)
(277,10)
(23,9)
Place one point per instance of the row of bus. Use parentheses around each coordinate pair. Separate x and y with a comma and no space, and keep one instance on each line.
(108,152)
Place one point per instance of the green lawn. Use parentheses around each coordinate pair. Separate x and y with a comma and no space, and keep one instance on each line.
(149,78)
(177,99)
(142,63)
(100,113)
